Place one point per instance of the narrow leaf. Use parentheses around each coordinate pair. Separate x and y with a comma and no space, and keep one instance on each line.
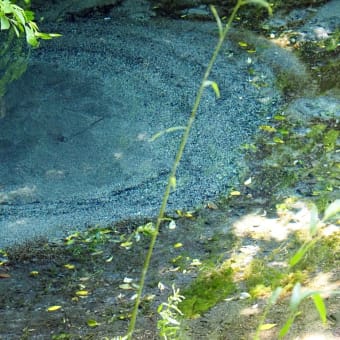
(214,86)
(275,295)
(300,253)
(332,210)
(218,21)
(296,297)
(53,308)
(320,306)
(267,326)
(161,133)
(286,327)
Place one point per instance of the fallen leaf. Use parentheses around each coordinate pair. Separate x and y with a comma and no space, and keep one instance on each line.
(53,308)
(69,266)
(92,323)
(82,293)
(267,326)
(235,193)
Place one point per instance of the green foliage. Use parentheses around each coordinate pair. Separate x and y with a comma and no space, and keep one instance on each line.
(296,298)
(331,211)
(207,290)
(260,277)
(13,62)
(298,295)
(169,324)
(21,21)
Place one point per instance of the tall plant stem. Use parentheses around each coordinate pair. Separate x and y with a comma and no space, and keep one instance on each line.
(177,160)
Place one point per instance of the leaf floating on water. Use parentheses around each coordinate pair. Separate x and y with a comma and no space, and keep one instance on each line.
(53,308)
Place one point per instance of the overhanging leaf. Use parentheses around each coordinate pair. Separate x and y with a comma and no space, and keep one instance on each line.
(4,23)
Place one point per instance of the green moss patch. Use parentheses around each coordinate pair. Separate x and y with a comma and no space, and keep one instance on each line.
(207,290)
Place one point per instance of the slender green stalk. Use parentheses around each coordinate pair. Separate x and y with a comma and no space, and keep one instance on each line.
(222,35)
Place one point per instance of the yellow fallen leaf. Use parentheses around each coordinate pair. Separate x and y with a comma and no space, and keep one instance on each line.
(69,266)
(34,273)
(267,326)
(82,293)
(235,193)
(53,308)
(178,245)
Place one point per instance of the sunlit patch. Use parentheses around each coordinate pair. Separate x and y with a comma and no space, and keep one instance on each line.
(324,283)
(294,218)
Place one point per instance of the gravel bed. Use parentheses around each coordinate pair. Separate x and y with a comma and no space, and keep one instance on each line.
(74,141)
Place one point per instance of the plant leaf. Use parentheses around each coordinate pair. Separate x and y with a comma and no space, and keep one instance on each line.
(320,306)
(30,37)
(286,327)
(92,323)
(267,326)
(161,133)
(275,295)
(214,86)
(218,21)
(332,210)
(53,308)
(4,23)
